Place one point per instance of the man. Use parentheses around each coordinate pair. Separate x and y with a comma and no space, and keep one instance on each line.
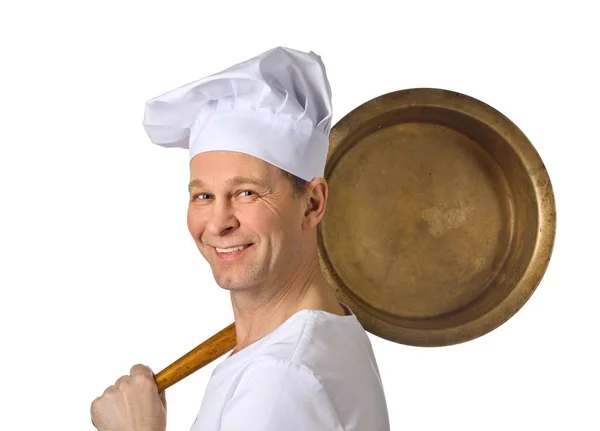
(258,137)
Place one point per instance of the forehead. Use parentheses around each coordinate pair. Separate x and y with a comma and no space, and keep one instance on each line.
(220,167)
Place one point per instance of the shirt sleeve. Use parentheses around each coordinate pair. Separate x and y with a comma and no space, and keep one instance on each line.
(275,395)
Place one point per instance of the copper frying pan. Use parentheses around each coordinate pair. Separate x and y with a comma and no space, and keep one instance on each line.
(440,223)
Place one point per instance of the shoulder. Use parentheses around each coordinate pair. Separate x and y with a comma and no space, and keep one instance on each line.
(279,394)
(279,371)
(315,340)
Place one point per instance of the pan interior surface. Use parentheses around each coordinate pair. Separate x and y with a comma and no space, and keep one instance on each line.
(427,234)
(431,224)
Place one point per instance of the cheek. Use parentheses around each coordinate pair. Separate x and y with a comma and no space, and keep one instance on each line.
(256,220)
(261,222)
(195,223)
(280,226)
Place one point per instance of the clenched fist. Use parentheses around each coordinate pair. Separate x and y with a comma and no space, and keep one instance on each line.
(131,404)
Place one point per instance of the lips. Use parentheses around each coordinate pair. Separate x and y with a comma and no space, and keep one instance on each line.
(231,249)
(231,253)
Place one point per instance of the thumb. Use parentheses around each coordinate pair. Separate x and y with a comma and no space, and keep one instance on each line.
(161,395)
(163,399)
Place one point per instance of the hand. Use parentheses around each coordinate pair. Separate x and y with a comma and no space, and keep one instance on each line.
(131,404)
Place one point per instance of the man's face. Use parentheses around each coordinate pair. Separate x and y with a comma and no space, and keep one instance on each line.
(237,200)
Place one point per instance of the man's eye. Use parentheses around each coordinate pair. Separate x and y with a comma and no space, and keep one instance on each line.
(247,193)
(202,196)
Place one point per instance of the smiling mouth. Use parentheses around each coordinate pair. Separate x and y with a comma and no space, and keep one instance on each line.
(232,249)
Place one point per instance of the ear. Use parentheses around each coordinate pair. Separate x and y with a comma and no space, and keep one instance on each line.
(316,201)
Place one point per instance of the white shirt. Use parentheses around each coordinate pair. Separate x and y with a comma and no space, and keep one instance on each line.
(315,372)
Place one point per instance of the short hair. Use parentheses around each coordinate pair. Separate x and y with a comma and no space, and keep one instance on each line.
(298,185)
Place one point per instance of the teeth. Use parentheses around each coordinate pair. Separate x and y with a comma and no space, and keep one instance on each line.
(231,250)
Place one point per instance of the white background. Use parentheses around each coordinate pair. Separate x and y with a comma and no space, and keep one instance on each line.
(98,271)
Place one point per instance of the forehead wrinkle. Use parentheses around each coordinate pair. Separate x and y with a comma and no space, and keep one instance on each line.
(239,179)
(195,183)
(233,181)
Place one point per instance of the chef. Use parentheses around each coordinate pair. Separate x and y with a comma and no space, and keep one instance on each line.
(258,135)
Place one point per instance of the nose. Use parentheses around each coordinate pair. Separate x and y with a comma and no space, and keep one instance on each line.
(222,218)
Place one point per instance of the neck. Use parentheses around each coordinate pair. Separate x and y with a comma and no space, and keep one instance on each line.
(261,310)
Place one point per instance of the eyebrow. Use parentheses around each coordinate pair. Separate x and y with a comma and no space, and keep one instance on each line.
(234,181)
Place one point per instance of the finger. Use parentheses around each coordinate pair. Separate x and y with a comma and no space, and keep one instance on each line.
(121,382)
(143,370)
(163,399)
(92,408)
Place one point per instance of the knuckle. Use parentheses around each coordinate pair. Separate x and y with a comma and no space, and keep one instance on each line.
(138,368)
(95,406)
(142,380)
(110,392)
(122,382)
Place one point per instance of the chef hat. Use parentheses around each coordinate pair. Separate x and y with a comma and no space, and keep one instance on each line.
(275,106)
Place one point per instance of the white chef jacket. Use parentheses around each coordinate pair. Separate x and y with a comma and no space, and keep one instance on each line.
(315,372)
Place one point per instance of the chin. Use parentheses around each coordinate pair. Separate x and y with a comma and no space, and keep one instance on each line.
(237,277)
(232,282)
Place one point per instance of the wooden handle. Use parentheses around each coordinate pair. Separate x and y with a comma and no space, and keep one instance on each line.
(213,348)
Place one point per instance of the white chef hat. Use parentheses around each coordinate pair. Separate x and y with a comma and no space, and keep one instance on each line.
(275,106)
